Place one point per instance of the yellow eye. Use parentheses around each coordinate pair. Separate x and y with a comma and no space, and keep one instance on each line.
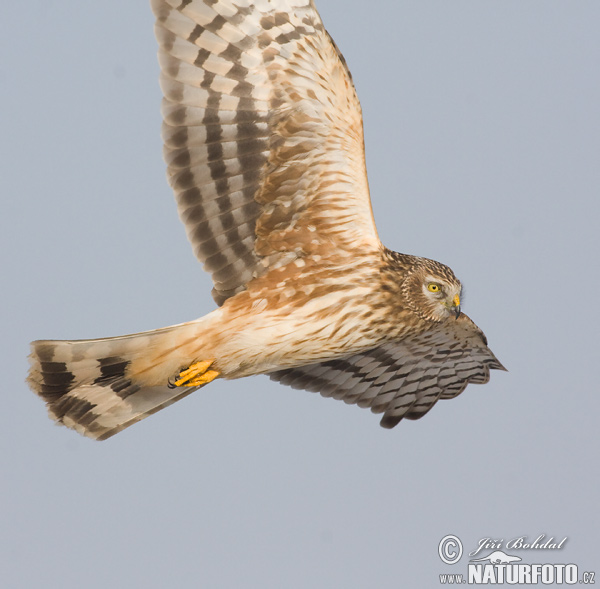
(433,287)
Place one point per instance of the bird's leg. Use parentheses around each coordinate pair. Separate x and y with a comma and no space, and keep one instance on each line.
(196,375)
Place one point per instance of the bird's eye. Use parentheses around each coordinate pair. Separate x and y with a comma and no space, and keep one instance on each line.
(434,287)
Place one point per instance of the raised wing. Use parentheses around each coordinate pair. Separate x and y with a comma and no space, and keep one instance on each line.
(403,379)
(263,136)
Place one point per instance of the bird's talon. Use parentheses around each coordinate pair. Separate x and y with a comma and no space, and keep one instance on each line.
(195,375)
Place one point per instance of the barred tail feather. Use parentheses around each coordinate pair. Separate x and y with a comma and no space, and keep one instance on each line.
(100,387)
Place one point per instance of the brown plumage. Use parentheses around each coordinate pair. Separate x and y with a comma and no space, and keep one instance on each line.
(264,146)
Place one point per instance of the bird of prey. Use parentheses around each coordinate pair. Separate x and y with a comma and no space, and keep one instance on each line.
(263,141)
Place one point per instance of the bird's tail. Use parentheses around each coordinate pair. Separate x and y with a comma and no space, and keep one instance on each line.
(99,387)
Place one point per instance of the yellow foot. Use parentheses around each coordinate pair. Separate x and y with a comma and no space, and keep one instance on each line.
(196,375)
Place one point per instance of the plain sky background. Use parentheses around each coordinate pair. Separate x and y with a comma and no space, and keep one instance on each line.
(482,124)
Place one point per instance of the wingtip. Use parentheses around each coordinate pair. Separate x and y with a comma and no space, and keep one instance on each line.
(497,365)
(389,421)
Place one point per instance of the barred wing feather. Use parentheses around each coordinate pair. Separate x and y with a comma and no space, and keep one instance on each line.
(403,379)
(263,136)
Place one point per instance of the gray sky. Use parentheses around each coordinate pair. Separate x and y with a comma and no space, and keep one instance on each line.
(482,128)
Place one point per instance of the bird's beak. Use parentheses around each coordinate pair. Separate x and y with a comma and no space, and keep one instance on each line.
(456,305)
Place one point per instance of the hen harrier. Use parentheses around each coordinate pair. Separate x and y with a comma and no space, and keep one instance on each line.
(264,144)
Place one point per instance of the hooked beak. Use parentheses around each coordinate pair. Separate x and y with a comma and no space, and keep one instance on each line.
(456,306)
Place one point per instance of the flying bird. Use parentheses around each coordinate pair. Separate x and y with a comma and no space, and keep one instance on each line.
(263,141)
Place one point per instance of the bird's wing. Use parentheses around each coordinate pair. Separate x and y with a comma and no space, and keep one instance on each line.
(403,379)
(263,136)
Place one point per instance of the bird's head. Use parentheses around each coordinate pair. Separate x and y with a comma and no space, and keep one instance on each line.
(432,291)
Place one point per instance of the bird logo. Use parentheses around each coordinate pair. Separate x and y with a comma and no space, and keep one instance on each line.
(498,557)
